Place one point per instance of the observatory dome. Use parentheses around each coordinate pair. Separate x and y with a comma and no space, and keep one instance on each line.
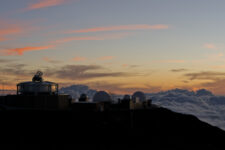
(102,96)
(139,96)
(83,98)
(126,97)
(37,86)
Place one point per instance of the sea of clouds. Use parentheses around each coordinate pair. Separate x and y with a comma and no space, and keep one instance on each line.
(202,103)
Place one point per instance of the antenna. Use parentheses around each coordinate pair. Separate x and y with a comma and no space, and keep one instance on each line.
(38,77)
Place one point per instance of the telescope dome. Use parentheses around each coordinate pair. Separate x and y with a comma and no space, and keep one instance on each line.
(102,96)
(83,98)
(126,97)
(139,96)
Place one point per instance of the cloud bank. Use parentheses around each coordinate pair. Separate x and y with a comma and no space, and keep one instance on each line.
(84,72)
(202,103)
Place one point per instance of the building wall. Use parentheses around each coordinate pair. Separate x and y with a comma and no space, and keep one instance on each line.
(44,102)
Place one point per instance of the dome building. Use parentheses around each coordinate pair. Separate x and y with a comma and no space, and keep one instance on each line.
(83,98)
(102,96)
(127,97)
(138,97)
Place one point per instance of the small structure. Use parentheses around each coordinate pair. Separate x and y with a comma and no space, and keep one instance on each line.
(138,101)
(101,102)
(83,98)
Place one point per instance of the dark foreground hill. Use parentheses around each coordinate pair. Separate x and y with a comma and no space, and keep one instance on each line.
(137,129)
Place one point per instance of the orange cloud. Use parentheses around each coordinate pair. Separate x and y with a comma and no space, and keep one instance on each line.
(106,58)
(50,60)
(47,59)
(13,30)
(88,38)
(171,61)
(45,3)
(218,67)
(122,27)
(216,56)
(79,58)
(115,35)
(20,51)
(2,39)
(92,38)
(210,46)
(125,65)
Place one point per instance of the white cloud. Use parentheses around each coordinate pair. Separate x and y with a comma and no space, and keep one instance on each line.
(202,104)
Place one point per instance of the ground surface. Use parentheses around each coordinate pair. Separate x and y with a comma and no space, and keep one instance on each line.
(158,128)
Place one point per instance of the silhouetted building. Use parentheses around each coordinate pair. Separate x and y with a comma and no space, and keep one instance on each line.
(83,98)
(138,97)
(37,87)
(38,94)
(102,96)
(43,95)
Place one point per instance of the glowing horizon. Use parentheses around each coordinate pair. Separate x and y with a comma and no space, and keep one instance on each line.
(118,46)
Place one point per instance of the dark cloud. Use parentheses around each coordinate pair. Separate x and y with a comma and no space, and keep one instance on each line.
(16,70)
(208,75)
(6,60)
(133,66)
(178,70)
(54,61)
(21,72)
(214,81)
(77,72)
(216,86)
(185,81)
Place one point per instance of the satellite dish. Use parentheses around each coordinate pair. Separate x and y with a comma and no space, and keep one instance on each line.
(126,97)
(102,96)
(38,77)
(138,96)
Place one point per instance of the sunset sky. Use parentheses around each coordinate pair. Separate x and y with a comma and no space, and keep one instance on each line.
(115,45)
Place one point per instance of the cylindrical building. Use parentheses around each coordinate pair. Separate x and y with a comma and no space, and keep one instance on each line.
(37,87)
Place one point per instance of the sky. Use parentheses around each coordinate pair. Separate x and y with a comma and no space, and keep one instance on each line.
(115,45)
